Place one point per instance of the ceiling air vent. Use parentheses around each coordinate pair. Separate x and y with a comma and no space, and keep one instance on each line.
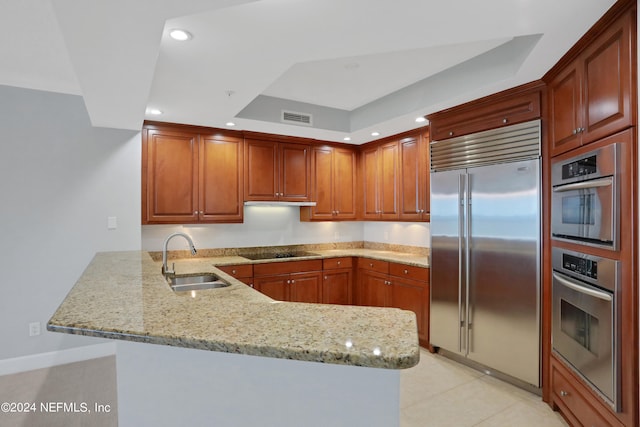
(294,118)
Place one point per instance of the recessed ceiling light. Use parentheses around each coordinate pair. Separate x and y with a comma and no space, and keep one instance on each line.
(346,138)
(230,124)
(420,120)
(154,111)
(180,35)
(375,133)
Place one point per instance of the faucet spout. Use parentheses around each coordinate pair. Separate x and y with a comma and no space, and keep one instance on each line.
(165,268)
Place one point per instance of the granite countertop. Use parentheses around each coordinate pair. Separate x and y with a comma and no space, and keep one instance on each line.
(123,295)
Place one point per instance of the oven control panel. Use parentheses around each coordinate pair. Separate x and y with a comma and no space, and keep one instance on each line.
(582,266)
(580,167)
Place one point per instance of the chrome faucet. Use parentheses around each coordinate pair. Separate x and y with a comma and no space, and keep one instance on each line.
(165,268)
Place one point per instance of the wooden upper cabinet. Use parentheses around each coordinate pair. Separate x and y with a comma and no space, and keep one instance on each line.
(190,177)
(591,96)
(509,107)
(380,175)
(276,171)
(333,185)
(221,176)
(414,177)
(169,176)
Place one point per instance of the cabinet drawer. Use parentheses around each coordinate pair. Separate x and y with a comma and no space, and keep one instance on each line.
(409,272)
(271,268)
(373,265)
(238,271)
(566,394)
(333,263)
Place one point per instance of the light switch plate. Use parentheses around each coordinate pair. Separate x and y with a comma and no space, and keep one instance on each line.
(112,223)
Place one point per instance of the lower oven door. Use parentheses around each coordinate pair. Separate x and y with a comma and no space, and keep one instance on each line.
(583,332)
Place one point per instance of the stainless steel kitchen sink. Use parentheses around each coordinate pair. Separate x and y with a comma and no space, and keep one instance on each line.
(195,283)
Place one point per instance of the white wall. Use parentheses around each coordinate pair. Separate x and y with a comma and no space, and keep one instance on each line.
(59,181)
(275,226)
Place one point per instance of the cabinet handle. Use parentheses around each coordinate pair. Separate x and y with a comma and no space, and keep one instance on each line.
(563,393)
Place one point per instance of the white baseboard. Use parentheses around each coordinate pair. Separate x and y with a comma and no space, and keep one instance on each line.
(55,358)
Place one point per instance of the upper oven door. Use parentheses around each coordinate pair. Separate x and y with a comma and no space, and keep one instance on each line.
(584,201)
(585,211)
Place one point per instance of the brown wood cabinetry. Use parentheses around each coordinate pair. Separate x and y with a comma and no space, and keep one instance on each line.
(590,93)
(576,402)
(509,107)
(337,281)
(414,177)
(181,174)
(333,184)
(276,171)
(299,281)
(380,174)
(385,284)
(242,272)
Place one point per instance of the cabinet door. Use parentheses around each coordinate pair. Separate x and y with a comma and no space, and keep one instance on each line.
(322,183)
(221,178)
(336,286)
(294,172)
(170,187)
(414,296)
(565,111)
(261,170)
(275,287)
(410,179)
(305,287)
(344,183)
(375,289)
(607,64)
(370,183)
(389,180)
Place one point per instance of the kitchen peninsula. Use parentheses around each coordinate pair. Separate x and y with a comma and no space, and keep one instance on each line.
(122,295)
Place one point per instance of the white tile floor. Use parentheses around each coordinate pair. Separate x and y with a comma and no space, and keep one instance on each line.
(439,392)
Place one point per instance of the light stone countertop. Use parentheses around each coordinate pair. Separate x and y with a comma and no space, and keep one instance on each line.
(123,295)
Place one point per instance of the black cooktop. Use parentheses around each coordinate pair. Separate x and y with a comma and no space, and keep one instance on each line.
(277,255)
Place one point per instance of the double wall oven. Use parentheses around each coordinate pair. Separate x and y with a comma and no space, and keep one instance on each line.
(585,211)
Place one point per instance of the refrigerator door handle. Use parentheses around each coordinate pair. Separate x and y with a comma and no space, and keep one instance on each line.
(467,219)
(461,236)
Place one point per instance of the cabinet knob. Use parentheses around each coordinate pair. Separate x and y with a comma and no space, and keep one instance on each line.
(326,277)
(575,131)
(339,262)
(370,264)
(251,285)
(293,281)
(451,133)
(406,271)
(233,271)
(563,393)
(195,213)
(337,212)
(505,121)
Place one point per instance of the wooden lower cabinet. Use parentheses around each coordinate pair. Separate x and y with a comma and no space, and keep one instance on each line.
(384,284)
(242,272)
(297,281)
(575,401)
(337,281)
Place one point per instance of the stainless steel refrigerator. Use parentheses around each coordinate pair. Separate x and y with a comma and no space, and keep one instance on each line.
(485,250)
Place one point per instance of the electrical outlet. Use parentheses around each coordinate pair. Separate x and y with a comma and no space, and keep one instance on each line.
(34,329)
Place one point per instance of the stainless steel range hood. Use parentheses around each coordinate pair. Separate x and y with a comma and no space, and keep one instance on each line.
(276,203)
